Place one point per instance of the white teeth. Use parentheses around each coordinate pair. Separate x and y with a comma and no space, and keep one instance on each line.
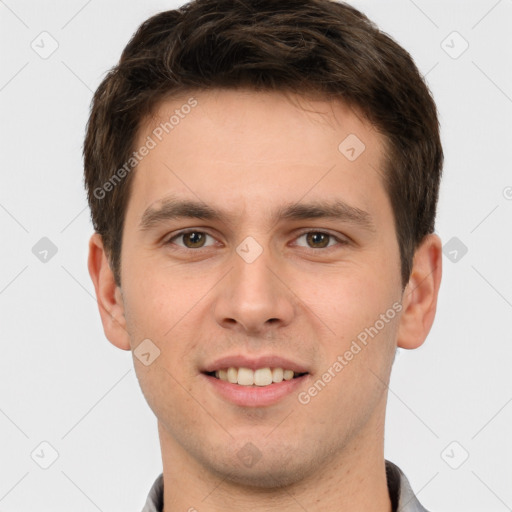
(263,377)
(260,377)
(277,374)
(232,375)
(288,375)
(245,377)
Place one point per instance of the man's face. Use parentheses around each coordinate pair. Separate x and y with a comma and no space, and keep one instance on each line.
(253,283)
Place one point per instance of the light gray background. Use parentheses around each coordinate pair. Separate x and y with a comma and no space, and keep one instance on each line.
(63,383)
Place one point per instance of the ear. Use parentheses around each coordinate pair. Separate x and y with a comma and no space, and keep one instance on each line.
(419,298)
(108,295)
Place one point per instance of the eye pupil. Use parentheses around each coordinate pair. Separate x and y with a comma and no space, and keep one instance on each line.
(197,239)
(315,238)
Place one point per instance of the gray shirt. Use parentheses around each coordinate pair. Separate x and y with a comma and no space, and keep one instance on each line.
(400,492)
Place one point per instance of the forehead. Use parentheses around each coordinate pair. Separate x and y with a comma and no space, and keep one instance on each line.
(248,148)
(241,111)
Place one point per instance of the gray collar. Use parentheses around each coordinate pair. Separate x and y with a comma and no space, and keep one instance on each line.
(402,496)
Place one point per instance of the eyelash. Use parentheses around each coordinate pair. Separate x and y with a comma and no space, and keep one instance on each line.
(325,249)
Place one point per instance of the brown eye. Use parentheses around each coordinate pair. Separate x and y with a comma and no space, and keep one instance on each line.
(317,239)
(194,239)
(190,239)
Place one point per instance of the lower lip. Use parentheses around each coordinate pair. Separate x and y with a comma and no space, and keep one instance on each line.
(255,396)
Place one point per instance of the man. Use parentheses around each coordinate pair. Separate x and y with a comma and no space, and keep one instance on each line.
(263,179)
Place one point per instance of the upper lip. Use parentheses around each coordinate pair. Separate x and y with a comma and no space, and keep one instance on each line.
(266,361)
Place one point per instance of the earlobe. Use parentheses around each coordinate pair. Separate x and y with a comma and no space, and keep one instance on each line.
(108,294)
(420,295)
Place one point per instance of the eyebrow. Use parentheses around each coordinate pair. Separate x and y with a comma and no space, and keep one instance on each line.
(173,208)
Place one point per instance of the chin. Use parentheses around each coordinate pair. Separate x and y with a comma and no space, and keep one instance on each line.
(260,473)
(264,478)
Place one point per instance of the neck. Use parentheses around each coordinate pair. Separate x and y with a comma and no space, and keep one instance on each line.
(352,480)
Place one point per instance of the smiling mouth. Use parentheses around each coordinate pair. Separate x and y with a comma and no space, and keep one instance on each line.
(255,378)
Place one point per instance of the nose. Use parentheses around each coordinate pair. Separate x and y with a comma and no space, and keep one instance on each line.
(254,299)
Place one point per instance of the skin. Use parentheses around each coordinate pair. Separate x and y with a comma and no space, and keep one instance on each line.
(249,153)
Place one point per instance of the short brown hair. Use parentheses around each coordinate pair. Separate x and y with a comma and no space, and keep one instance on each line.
(322,46)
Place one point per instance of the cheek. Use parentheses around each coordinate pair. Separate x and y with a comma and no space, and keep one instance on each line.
(363,312)
(157,311)
(168,309)
(156,298)
(358,310)
(167,393)
(349,299)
